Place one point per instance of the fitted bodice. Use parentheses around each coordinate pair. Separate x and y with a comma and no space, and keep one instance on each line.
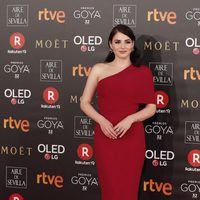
(122,92)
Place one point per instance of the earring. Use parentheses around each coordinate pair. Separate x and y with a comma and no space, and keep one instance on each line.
(111,51)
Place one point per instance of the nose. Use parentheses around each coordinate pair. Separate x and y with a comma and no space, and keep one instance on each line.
(122,45)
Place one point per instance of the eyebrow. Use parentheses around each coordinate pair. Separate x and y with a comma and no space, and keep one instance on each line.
(120,40)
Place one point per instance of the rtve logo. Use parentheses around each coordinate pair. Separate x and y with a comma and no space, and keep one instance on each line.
(52,180)
(85,152)
(50,95)
(192,74)
(80,70)
(159,16)
(194,158)
(22,125)
(49,15)
(17,40)
(153,186)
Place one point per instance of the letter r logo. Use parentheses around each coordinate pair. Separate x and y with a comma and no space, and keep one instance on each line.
(50,95)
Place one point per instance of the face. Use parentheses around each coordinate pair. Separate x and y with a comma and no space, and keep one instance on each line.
(121,45)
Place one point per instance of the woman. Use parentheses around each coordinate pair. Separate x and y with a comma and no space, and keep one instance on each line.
(119,140)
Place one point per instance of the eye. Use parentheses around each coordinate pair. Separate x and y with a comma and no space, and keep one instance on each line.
(117,41)
(128,41)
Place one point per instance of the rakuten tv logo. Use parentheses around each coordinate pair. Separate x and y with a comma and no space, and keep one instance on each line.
(85,152)
(16,196)
(162,99)
(17,40)
(162,102)
(194,158)
(154,186)
(50,95)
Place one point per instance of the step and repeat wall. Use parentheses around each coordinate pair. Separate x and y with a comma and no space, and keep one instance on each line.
(47,50)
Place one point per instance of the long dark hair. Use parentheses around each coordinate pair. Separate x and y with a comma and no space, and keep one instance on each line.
(135,54)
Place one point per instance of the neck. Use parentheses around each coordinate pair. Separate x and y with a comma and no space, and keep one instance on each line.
(121,62)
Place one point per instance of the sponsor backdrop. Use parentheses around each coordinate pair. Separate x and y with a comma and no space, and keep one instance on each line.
(47,51)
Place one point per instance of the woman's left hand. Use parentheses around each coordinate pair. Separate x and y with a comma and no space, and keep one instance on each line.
(122,127)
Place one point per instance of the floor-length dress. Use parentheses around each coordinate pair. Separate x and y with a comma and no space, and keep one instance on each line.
(120,161)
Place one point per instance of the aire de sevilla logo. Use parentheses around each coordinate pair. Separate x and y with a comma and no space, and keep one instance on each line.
(85,152)
(17,40)
(194,158)
(50,95)
(16,196)
(162,99)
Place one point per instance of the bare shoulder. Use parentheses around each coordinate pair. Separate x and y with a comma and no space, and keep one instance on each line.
(99,68)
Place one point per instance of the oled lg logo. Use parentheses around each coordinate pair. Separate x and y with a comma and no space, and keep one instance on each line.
(17,69)
(85,153)
(154,186)
(87,43)
(160,16)
(194,44)
(50,96)
(22,125)
(51,152)
(160,158)
(17,42)
(17,96)
(87,14)
(50,180)
(50,16)
(16,196)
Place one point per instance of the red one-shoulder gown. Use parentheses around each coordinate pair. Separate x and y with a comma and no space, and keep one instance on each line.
(120,161)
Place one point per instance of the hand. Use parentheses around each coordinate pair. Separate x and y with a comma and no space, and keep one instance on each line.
(122,127)
(107,128)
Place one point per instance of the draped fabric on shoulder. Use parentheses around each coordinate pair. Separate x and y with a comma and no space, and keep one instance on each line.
(120,161)
(145,92)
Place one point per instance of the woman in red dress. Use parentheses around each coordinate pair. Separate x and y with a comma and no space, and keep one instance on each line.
(119,141)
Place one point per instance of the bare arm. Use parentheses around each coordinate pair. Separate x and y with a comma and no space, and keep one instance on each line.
(87,96)
(144,114)
(87,108)
(147,112)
